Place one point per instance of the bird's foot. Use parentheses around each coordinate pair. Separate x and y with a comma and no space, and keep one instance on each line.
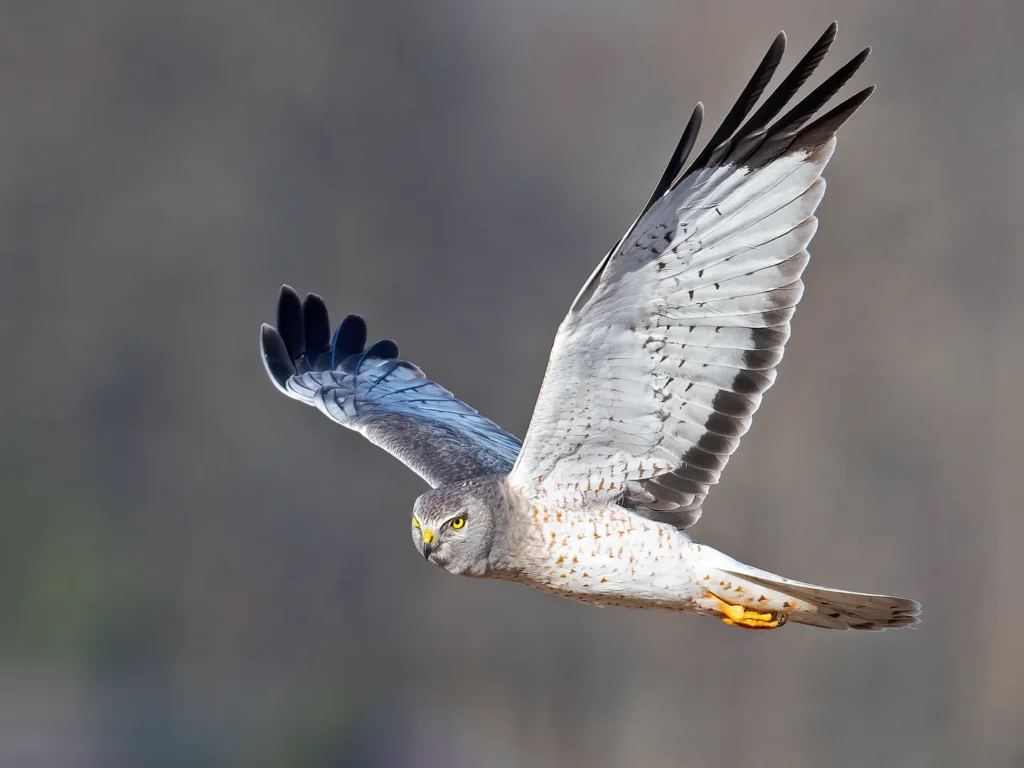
(739,616)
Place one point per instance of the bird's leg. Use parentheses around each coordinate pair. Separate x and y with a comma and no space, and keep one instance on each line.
(739,616)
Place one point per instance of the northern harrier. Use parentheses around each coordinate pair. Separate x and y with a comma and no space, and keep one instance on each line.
(653,379)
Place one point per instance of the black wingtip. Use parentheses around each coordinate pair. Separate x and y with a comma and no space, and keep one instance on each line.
(679,156)
(385,349)
(276,357)
(825,127)
(302,340)
(750,136)
(289,321)
(789,132)
(317,324)
(349,339)
(820,96)
(747,99)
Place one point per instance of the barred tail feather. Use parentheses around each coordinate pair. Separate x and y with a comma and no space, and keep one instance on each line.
(834,608)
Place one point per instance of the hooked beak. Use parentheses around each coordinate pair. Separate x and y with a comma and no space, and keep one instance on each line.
(428,543)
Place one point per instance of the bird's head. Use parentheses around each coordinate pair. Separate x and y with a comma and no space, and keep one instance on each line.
(455,526)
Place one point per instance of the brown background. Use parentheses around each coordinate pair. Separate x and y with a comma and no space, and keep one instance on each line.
(196,571)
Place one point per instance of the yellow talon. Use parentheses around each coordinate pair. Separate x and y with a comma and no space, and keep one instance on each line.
(738,616)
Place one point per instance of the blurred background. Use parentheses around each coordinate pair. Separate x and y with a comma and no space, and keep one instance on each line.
(196,571)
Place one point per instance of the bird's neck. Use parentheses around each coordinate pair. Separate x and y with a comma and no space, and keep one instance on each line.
(508,534)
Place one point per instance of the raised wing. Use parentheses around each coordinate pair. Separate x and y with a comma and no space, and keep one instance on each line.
(389,401)
(663,357)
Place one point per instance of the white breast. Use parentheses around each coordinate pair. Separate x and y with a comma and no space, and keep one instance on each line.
(609,556)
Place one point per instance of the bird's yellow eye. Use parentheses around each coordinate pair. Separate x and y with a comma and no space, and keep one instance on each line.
(416,523)
(458,522)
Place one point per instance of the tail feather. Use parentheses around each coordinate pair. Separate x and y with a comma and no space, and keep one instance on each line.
(836,608)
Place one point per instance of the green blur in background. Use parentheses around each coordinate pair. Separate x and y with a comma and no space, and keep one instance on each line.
(196,571)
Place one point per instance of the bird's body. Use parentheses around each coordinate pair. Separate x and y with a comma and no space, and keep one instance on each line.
(608,556)
(653,379)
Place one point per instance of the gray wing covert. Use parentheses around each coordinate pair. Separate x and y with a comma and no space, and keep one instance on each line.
(388,400)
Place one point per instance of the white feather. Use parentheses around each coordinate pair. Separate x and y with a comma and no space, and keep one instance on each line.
(674,346)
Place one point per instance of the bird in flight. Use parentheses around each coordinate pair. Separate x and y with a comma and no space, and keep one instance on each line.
(653,379)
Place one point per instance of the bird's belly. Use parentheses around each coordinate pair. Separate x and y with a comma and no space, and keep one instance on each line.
(609,556)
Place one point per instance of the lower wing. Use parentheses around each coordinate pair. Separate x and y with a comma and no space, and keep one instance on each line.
(387,400)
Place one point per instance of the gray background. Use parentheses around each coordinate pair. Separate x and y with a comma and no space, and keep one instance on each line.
(196,571)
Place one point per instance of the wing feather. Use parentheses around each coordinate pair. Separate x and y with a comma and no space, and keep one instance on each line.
(387,400)
(662,361)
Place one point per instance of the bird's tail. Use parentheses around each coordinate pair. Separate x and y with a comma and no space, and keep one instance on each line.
(794,601)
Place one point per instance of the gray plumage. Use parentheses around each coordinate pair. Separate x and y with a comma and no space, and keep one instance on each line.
(485,545)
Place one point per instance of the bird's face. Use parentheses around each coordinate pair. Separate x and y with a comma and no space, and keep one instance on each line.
(453,531)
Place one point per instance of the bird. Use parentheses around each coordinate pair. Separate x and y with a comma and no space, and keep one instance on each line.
(652,380)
